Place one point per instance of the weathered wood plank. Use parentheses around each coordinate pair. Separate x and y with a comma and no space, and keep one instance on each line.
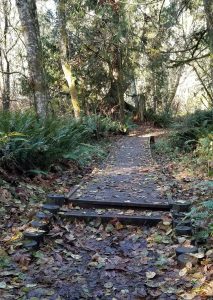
(122,204)
(106,217)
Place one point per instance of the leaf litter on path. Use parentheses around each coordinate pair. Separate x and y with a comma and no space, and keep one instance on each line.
(96,261)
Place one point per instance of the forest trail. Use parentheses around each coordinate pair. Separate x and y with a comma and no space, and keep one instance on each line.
(75,77)
(125,187)
(111,260)
(127,177)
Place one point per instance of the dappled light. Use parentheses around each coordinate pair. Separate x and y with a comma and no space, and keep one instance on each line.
(106,149)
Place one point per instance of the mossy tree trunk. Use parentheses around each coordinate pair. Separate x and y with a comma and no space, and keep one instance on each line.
(65,58)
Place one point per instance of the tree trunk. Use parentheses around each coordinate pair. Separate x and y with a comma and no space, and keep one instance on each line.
(120,89)
(208,6)
(173,90)
(142,106)
(118,66)
(65,63)
(155,103)
(29,21)
(111,97)
(6,88)
(5,63)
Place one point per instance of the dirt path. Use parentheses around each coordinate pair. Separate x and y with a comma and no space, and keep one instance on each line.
(129,175)
(109,261)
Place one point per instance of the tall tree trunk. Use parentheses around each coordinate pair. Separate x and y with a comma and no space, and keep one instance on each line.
(142,107)
(6,88)
(29,20)
(111,96)
(155,103)
(140,102)
(208,6)
(118,65)
(65,63)
(173,90)
(5,63)
(120,89)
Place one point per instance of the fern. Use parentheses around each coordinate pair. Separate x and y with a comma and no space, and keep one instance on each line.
(29,144)
(203,217)
(208,204)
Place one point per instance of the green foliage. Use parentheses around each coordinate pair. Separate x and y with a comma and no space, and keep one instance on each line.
(85,152)
(203,216)
(205,146)
(163,119)
(200,118)
(28,143)
(99,126)
(185,139)
(163,146)
(195,130)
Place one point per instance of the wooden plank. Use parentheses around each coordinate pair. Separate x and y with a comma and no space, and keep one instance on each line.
(106,217)
(121,204)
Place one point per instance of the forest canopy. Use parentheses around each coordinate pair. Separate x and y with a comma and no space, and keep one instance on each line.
(107,57)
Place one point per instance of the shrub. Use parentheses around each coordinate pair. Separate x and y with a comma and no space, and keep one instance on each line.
(162,120)
(202,216)
(200,118)
(205,146)
(163,146)
(194,129)
(27,143)
(100,126)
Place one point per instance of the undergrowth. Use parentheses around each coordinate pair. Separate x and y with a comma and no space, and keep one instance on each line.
(162,120)
(29,144)
(194,131)
(202,215)
(191,144)
(193,135)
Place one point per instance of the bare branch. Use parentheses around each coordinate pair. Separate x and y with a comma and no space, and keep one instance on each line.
(14,72)
(186,61)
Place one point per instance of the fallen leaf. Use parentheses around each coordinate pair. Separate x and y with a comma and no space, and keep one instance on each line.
(150,275)
(198,255)
(3,285)
(108,285)
(183,272)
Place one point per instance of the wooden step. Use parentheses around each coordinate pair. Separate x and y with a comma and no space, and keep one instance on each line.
(122,204)
(89,215)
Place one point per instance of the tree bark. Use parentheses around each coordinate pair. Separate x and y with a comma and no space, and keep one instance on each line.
(111,96)
(142,107)
(29,20)
(65,62)
(5,63)
(208,6)
(6,88)
(173,90)
(120,89)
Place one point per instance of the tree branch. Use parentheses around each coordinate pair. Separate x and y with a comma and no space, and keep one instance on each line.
(181,62)
(14,72)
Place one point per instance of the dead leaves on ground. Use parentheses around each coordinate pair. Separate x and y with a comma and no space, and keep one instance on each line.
(130,263)
(96,261)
